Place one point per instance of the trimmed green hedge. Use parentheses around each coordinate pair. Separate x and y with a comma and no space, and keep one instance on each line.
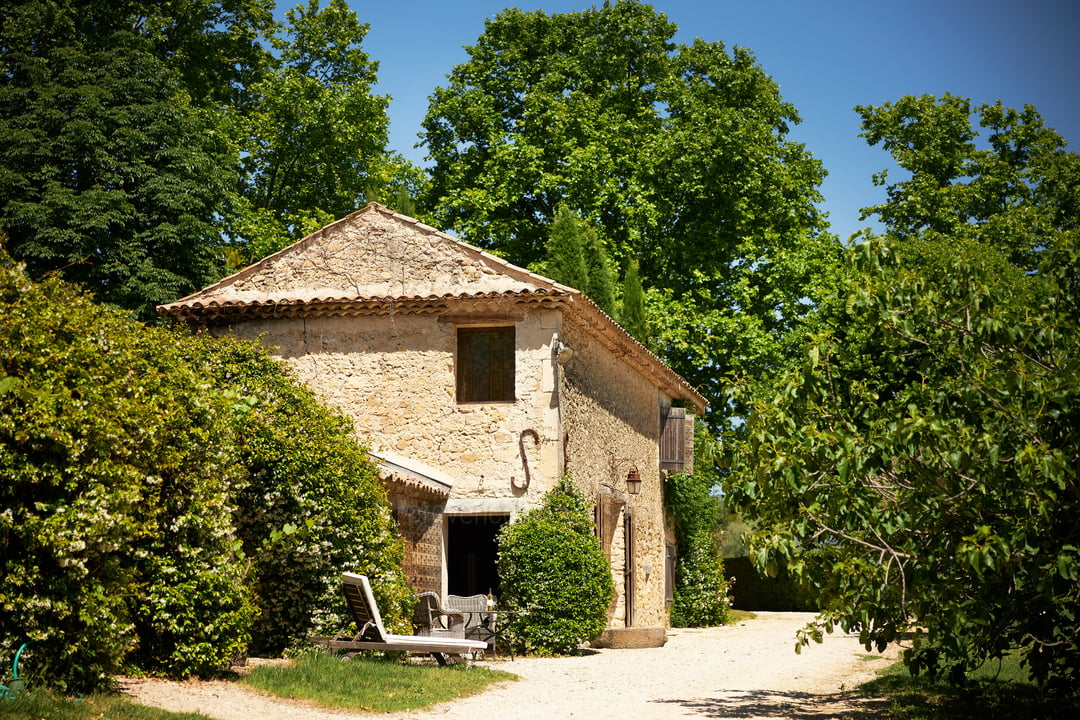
(750,590)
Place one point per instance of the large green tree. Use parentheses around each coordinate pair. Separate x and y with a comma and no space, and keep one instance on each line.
(109,172)
(313,134)
(1006,183)
(678,155)
(920,469)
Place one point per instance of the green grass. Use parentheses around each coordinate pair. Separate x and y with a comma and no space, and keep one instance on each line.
(40,704)
(737,616)
(373,685)
(999,690)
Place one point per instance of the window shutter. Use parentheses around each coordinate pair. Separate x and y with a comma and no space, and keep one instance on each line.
(672,440)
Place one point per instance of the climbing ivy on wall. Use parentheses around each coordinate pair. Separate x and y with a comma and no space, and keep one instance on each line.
(701,590)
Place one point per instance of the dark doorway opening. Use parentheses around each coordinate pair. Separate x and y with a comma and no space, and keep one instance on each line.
(472,554)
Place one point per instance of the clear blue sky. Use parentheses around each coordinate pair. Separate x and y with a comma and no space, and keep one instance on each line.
(826,55)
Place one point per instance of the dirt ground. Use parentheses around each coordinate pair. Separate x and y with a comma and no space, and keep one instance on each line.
(749,670)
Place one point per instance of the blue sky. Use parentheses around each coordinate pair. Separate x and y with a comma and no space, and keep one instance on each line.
(826,55)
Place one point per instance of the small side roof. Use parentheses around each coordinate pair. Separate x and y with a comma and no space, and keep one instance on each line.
(378,262)
(412,476)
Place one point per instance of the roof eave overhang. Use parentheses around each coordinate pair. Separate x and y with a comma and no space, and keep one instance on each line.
(575,304)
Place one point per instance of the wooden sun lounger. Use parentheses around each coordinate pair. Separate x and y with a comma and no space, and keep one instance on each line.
(373,635)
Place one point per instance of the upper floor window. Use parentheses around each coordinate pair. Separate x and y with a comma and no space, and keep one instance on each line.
(485,364)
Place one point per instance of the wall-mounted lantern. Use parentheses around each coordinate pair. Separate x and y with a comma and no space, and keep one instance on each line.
(633,481)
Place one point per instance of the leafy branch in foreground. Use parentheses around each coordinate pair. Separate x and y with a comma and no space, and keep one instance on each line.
(920,468)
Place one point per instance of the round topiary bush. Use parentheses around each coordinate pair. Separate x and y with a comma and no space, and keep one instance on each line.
(553,575)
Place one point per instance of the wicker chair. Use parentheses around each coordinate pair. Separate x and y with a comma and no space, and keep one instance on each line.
(478,615)
(431,619)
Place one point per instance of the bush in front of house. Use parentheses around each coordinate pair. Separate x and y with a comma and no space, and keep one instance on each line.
(115,517)
(312,505)
(160,491)
(554,577)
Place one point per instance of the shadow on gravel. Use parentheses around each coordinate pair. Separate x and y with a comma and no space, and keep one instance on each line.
(791,705)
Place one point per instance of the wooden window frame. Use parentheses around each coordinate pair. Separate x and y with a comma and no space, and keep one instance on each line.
(486,364)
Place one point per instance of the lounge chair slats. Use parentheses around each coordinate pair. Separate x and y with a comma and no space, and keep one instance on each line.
(373,635)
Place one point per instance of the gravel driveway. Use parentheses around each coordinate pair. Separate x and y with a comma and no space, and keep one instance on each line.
(749,670)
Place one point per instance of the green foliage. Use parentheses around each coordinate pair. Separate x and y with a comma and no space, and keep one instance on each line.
(313,136)
(753,589)
(701,591)
(139,135)
(162,490)
(677,155)
(115,533)
(554,575)
(927,451)
(601,278)
(312,505)
(361,684)
(565,250)
(109,173)
(575,257)
(1007,193)
(632,309)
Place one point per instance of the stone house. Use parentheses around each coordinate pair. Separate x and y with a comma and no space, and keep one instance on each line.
(476,384)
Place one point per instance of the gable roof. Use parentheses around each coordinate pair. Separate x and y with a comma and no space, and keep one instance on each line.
(378,262)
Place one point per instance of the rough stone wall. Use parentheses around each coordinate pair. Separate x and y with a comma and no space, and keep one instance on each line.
(369,254)
(394,376)
(420,523)
(613,422)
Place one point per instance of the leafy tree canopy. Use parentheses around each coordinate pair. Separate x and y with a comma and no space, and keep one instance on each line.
(919,469)
(313,135)
(676,154)
(139,137)
(1009,192)
(109,173)
(938,490)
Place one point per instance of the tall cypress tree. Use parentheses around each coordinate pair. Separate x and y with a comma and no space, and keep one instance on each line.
(600,283)
(632,313)
(566,250)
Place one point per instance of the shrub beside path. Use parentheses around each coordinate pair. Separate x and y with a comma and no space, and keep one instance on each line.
(748,670)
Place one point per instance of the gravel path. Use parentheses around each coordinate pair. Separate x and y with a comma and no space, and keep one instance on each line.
(749,670)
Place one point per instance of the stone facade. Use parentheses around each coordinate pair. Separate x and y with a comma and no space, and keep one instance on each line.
(368,312)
